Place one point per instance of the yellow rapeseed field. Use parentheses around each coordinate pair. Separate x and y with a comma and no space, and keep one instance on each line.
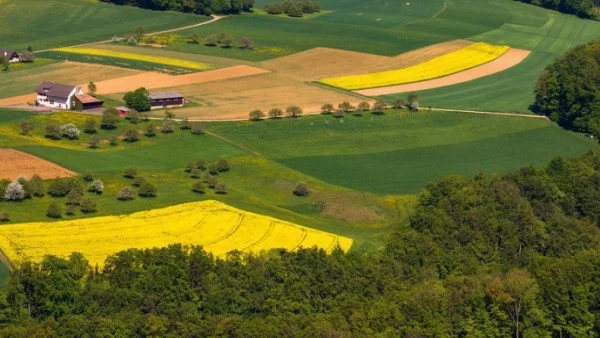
(462,59)
(139,57)
(217,226)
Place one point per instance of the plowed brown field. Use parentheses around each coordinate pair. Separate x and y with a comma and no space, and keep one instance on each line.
(16,163)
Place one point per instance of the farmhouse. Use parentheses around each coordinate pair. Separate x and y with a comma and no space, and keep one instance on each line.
(11,55)
(56,95)
(160,100)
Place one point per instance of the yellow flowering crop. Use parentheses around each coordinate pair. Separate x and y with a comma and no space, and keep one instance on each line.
(217,226)
(462,59)
(139,57)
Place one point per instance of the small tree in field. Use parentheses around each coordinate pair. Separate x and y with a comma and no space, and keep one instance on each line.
(87,205)
(301,189)
(90,126)
(133,116)
(213,169)
(138,99)
(4,217)
(52,131)
(147,190)
(223,165)
(195,173)
(131,135)
(94,142)
(130,173)
(87,176)
(185,124)
(138,181)
(364,106)
(91,87)
(198,187)
(14,191)
(126,194)
(71,210)
(398,104)
(70,131)
(224,40)
(110,119)
(150,130)
(197,128)
(221,188)
(168,126)
(293,111)
(54,210)
(338,113)
(5,63)
(379,107)
(74,197)
(256,115)
(275,113)
(346,106)
(246,43)
(210,180)
(26,127)
(97,187)
(36,186)
(114,141)
(327,108)
(413,101)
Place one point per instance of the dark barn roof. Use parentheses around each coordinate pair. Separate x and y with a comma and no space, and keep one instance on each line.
(8,53)
(55,89)
(165,95)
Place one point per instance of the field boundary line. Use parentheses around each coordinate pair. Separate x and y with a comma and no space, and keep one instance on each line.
(215,18)
(541,117)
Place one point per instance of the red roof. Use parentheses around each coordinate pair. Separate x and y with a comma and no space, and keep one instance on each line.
(85,99)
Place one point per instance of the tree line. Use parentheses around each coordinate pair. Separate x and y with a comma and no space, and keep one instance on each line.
(568,90)
(511,255)
(203,7)
(589,9)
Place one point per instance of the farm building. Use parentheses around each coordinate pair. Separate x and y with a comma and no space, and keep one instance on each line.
(160,100)
(11,55)
(56,95)
(86,102)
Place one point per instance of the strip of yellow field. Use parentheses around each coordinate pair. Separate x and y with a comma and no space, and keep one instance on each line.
(216,226)
(132,56)
(463,59)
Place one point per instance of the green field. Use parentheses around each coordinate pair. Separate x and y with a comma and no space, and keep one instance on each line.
(51,23)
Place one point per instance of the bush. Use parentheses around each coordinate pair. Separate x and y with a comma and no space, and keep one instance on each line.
(211,41)
(133,116)
(87,176)
(54,210)
(295,11)
(301,189)
(138,181)
(147,190)
(74,197)
(293,111)
(221,188)
(274,9)
(110,119)
(364,106)
(200,164)
(211,181)
(4,217)
(52,131)
(97,187)
(275,113)
(138,99)
(114,141)
(398,104)
(130,173)
(131,135)
(197,128)
(256,115)
(26,127)
(198,187)
(185,124)
(125,194)
(327,108)
(87,205)
(195,173)
(246,43)
(150,130)
(213,169)
(94,142)
(23,181)
(379,107)
(71,210)
(168,126)
(345,106)
(58,188)
(14,191)
(90,126)
(36,186)
(70,131)
(223,165)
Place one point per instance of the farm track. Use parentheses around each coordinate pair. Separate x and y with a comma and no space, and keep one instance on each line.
(263,238)
(214,19)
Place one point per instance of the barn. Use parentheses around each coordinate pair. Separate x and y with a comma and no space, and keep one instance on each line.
(87,102)
(11,55)
(161,100)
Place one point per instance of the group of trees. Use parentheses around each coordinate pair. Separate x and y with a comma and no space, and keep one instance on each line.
(209,179)
(589,9)
(567,91)
(204,7)
(293,8)
(222,39)
(275,113)
(511,255)
(145,188)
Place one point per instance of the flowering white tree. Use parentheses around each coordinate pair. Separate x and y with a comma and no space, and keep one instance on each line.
(70,131)
(14,192)
(97,186)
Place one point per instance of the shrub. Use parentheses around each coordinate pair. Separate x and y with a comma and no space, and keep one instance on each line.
(327,108)
(274,9)
(125,194)
(275,113)
(301,189)
(114,141)
(58,188)
(23,181)
(224,40)
(338,113)
(54,210)
(52,131)
(94,142)
(131,135)
(14,191)
(130,173)
(200,164)
(110,119)
(185,124)
(398,104)
(413,101)
(256,115)
(293,111)
(364,106)
(221,188)
(190,166)
(138,181)
(150,130)
(211,41)
(71,210)
(213,169)
(197,128)
(88,205)
(97,187)
(195,173)
(87,176)
(90,126)
(147,190)
(168,126)
(295,11)
(4,217)
(70,131)
(379,107)
(74,197)
(246,43)
(198,187)
(345,106)
(133,116)
(26,127)
(223,165)
(210,180)
(194,38)
(36,186)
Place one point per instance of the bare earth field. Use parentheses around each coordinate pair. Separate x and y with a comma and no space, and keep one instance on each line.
(318,63)
(16,163)
(510,59)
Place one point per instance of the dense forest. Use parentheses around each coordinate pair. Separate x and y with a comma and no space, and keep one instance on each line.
(568,91)
(513,255)
(204,7)
(589,9)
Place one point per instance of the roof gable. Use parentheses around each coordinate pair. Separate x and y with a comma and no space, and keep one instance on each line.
(165,95)
(54,89)
(9,53)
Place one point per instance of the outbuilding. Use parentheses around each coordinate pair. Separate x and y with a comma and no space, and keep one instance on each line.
(11,55)
(162,100)
(87,102)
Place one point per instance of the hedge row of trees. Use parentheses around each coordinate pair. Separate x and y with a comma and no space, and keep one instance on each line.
(589,9)
(512,255)
(567,91)
(204,7)
(293,8)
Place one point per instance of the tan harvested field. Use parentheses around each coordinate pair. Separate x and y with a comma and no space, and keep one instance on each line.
(152,80)
(318,63)
(510,59)
(16,163)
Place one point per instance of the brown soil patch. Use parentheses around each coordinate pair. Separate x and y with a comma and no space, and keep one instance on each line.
(151,80)
(510,59)
(318,63)
(16,163)
(17,100)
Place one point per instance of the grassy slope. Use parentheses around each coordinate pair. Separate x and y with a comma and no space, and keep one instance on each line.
(51,23)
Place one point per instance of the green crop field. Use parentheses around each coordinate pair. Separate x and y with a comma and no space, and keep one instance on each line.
(52,23)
